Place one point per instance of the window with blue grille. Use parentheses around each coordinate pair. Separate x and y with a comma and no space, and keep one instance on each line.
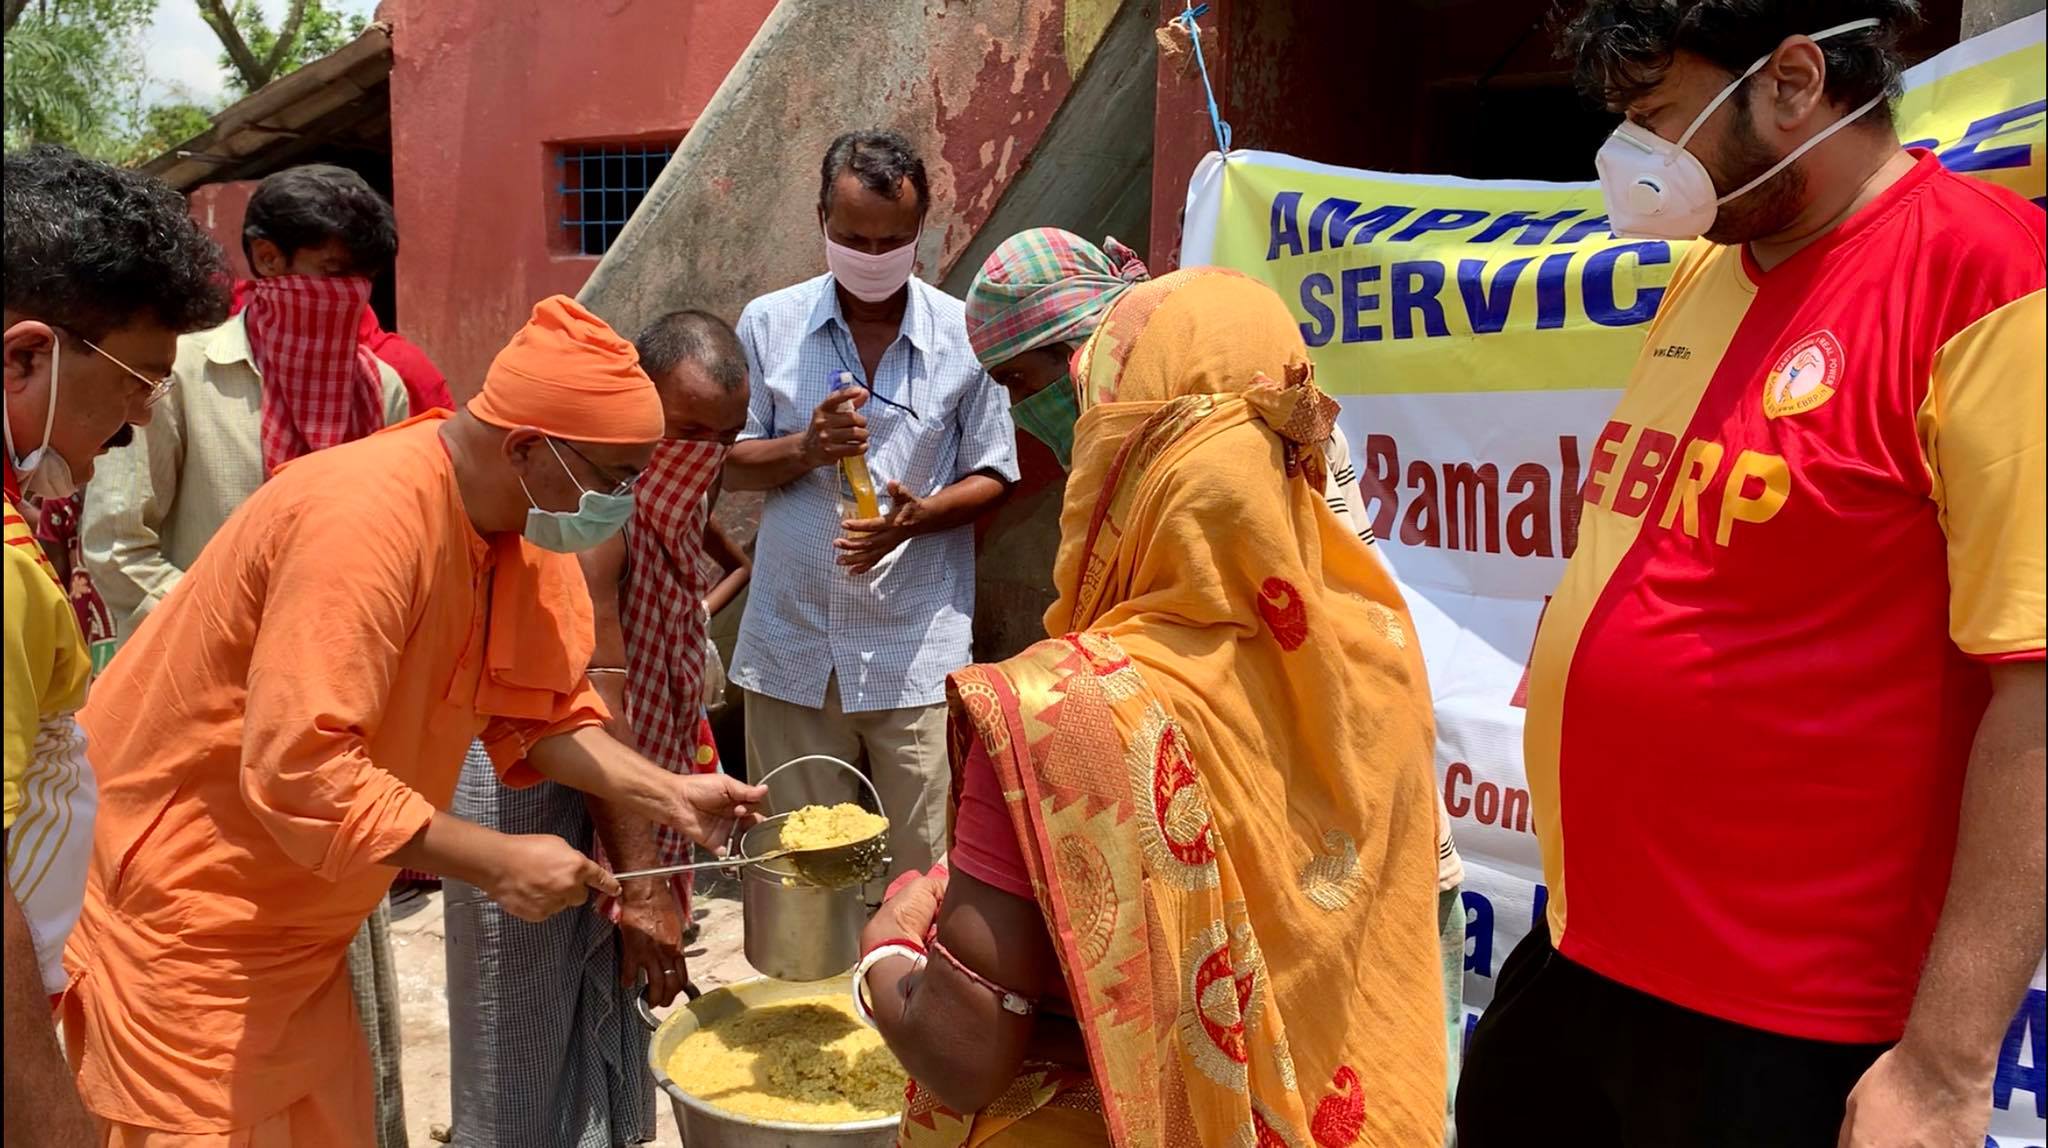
(601,185)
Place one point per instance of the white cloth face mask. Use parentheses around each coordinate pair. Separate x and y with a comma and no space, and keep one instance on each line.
(871,278)
(43,472)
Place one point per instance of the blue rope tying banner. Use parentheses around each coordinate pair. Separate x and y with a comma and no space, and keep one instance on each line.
(1187,20)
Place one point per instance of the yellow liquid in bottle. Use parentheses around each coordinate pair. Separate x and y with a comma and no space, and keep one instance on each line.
(856,470)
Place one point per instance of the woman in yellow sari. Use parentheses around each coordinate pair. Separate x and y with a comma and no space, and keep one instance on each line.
(1192,897)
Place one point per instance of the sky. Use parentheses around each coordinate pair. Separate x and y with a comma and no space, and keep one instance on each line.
(182,55)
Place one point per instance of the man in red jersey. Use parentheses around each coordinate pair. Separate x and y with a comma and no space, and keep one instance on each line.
(1785,733)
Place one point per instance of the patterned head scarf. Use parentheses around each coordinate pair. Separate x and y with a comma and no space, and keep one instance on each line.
(1045,286)
(1176,362)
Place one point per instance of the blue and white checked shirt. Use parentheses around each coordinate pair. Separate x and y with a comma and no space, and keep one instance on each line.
(892,634)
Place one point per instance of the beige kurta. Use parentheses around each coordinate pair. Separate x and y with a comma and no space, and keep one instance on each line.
(153,505)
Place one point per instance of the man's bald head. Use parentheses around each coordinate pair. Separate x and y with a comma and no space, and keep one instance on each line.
(700,371)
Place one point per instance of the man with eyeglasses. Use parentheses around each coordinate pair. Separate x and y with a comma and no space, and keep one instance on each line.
(288,728)
(854,622)
(55,524)
(285,375)
(543,1033)
(104,270)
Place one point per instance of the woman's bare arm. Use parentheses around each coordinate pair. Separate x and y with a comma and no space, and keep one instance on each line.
(952,1034)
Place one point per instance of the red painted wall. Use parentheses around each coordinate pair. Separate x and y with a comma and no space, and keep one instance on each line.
(218,207)
(479,90)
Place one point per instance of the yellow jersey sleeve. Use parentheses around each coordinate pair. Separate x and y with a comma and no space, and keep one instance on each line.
(1694,260)
(1981,428)
(47,667)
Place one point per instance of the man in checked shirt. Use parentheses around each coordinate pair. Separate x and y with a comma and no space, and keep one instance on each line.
(853,625)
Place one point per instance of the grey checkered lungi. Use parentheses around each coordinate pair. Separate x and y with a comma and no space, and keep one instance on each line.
(374,983)
(545,1049)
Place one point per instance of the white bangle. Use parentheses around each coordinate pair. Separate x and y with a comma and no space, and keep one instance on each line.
(860,976)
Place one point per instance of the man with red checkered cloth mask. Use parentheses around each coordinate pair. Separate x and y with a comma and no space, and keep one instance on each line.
(545,1044)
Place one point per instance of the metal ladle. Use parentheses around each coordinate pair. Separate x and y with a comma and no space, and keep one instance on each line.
(833,866)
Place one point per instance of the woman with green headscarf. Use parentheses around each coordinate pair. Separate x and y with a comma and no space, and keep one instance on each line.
(1037,298)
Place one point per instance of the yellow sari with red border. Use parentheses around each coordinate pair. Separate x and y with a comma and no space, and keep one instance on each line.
(1220,775)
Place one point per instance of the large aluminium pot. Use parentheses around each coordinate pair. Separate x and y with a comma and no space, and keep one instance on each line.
(704,1126)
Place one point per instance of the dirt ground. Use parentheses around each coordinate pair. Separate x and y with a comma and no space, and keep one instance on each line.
(416,939)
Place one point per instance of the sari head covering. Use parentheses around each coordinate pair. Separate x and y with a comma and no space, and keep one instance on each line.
(1042,287)
(1220,772)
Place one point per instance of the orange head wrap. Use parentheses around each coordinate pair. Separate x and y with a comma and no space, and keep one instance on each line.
(569,374)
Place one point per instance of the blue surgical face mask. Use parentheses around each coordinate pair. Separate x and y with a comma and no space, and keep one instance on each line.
(596,517)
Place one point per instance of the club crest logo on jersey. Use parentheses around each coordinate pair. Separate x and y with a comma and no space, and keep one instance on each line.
(1805,377)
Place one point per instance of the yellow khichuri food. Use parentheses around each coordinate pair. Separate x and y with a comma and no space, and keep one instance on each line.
(830,826)
(804,1061)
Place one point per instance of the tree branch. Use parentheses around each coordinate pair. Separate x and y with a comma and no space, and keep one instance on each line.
(254,72)
(287,37)
(14,11)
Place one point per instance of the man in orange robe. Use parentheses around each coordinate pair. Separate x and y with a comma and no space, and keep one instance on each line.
(285,729)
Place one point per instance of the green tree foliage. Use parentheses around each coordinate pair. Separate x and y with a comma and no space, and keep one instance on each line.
(74,72)
(165,126)
(75,69)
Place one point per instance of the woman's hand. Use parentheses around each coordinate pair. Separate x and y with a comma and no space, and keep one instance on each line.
(908,910)
(949,1030)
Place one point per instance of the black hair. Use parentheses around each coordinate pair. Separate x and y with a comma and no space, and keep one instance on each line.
(92,247)
(1623,48)
(307,206)
(696,337)
(881,160)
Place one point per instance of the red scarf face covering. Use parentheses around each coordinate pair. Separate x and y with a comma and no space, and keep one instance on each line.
(320,385)
(663,620)
(663,603)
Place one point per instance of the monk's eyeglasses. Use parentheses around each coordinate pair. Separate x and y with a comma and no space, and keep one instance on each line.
(624,487)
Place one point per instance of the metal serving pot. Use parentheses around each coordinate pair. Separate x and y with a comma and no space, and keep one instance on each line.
(704,1126)
(796,929)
